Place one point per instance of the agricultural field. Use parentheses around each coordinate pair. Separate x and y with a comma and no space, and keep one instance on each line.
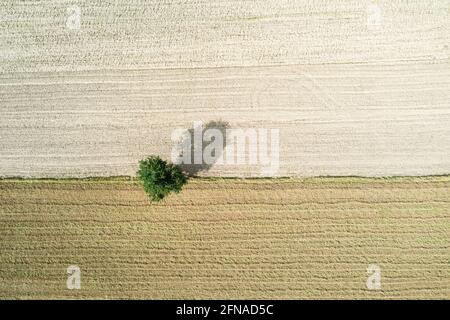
(352,184)
(226,238)
(88,90)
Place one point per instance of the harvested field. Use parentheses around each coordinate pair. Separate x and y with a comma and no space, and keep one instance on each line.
(226,238)
(349,98)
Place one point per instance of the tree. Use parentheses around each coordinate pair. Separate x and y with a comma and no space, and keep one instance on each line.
(159,177)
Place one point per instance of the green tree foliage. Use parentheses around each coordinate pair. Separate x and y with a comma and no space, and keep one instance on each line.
(159,177)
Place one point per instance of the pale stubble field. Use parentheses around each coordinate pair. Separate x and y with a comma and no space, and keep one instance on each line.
(348,97)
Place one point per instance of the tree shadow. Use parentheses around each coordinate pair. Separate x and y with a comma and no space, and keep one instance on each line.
(188,143)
